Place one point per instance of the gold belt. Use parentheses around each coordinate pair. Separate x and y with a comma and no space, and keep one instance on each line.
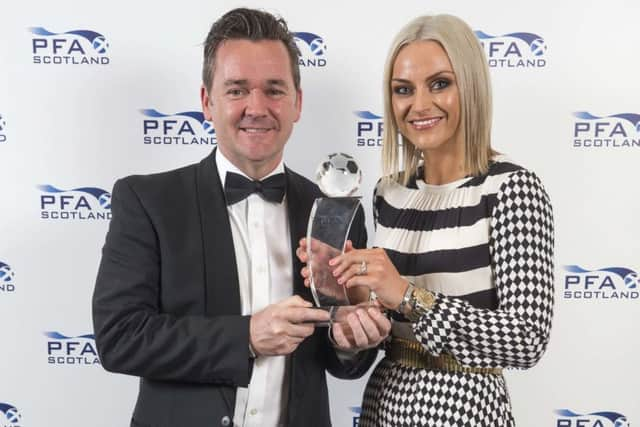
(413,354)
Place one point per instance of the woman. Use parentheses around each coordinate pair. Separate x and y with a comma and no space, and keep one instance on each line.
(464,239)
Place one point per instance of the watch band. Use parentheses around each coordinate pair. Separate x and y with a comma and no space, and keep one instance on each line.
(406,299)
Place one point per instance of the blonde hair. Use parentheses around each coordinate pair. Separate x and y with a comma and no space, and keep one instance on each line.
(472,76)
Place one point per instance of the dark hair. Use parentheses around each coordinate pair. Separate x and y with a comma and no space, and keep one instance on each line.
(248,24)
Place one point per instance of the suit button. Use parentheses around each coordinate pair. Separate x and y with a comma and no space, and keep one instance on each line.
(225,421)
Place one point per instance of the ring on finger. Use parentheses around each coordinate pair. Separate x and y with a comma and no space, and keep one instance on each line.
(363,268)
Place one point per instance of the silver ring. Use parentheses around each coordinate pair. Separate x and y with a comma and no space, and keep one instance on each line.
(363,268)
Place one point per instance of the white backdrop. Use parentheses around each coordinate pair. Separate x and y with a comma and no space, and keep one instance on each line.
(566,106)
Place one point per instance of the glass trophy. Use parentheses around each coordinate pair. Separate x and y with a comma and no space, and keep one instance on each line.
(338,177)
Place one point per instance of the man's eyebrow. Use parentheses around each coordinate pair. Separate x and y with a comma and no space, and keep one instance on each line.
(245,82)
(276,82)
(236,82)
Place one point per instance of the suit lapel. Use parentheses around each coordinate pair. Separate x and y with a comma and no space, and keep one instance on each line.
(298,207)
(222,291)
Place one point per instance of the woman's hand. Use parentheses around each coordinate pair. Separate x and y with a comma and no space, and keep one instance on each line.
(371,268)
(323,253)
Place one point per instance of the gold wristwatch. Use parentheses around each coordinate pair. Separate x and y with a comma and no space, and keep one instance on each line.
(420,302)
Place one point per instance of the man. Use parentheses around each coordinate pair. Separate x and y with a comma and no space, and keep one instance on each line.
(198,291)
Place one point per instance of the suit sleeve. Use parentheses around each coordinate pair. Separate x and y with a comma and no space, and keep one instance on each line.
(133,335)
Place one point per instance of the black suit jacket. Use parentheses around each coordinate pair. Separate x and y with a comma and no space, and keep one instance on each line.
(166,305)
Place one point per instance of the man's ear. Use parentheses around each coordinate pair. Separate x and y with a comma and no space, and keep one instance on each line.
(298,104)
(205,101)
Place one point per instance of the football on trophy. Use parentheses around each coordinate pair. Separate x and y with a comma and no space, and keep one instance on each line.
(339,175)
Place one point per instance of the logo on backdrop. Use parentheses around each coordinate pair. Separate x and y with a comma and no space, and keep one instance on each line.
(356,410)
(186,128)
(76,47)
(610,283)
(312,49)
(568,418)
(64,350)
(614,131)
(3,125)
(514,50)
(7,275)
(368,129)
(9,415)
(86,203)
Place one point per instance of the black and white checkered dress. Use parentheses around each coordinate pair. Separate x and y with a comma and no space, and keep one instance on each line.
(484,246)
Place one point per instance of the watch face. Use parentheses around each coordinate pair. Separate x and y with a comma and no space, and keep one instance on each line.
(421,301)
(425,298)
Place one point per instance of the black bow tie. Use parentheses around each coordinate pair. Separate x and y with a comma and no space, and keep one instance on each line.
(237,187)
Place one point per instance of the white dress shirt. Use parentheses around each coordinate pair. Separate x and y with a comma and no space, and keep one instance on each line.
(262,244)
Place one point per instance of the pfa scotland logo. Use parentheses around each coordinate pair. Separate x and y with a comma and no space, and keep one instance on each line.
(610,283)
(368,129)
(3,125)
(85,203)
(184,128)
(9,415)
(514,50)
(613,131)
(568,418)
(312,49)
(65,350)
(76,47)
(7,276)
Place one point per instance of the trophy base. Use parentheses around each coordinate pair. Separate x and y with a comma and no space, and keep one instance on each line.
(339,313)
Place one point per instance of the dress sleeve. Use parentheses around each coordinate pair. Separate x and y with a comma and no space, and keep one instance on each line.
(521,250)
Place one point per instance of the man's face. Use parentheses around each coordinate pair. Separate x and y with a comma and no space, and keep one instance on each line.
(253,103)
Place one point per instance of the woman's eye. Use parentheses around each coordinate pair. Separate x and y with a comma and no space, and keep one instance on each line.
(440,84)
(401,90)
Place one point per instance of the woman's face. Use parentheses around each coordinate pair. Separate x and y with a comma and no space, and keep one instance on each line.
(425,98)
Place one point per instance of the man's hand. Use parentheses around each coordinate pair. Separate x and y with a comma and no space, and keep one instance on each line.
(279,328)
(366,327)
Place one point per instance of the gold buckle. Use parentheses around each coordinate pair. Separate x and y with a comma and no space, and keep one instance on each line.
(413,354)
